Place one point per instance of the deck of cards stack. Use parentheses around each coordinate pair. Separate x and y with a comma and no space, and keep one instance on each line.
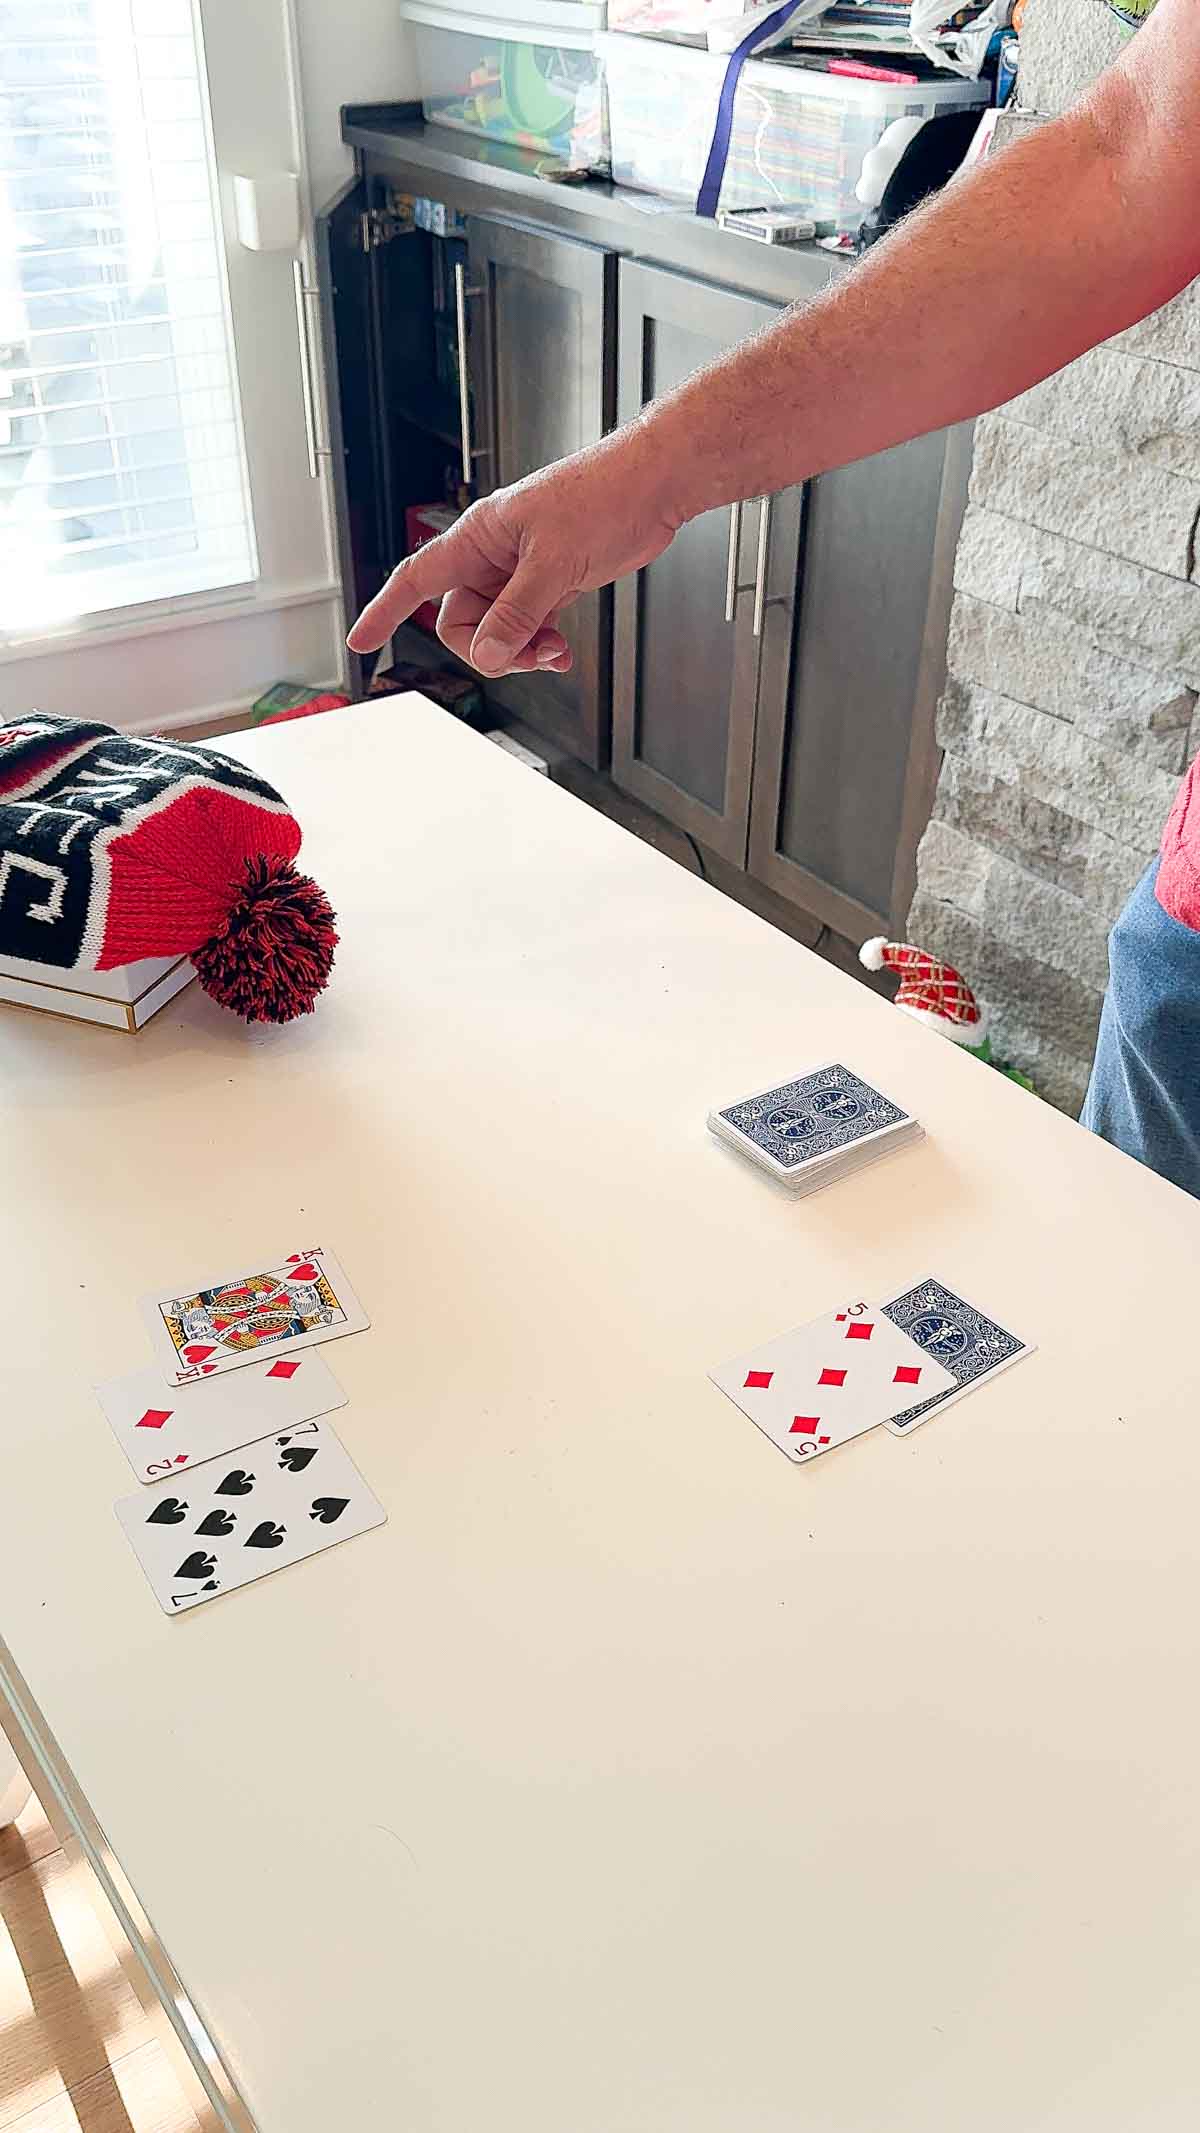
(237,1389)
(810,1132)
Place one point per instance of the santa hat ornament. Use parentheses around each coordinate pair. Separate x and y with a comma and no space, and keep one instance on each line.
(931,992)
(114,849)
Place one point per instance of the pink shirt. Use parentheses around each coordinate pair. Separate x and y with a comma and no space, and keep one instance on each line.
(1178,884)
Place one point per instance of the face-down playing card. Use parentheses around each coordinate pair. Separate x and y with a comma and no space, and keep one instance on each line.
(820,1118)
(815,1388)
(164,1432)
(286,1498)
(196,1332)
(971,1345)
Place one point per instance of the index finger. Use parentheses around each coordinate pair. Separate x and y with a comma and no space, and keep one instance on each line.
(438,568)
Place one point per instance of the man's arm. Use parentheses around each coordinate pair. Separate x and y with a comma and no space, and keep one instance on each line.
(1051,246)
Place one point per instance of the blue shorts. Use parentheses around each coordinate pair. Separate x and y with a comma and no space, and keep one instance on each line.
(1145,1088)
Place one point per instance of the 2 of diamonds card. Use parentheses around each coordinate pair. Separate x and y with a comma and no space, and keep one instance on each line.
(166,1432)
(287,1498)
(199,1330)
(822,1384)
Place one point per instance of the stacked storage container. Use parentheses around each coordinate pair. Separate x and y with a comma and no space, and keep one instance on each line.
(546,76)
(798,136)
(527,74)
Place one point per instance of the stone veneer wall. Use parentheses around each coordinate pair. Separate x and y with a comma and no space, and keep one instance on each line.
(1074,661)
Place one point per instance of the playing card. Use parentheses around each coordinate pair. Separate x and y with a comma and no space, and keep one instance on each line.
(164,1432)
(812,1121)
(971,1345)
(200,1329)
(291,1496)
(816,1387)
(833,1168)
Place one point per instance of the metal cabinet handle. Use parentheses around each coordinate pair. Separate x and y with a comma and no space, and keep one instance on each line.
(760,572)
(461,293)
(732,587)
(304,291)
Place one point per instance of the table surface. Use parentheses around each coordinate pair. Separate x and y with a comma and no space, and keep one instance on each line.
(630,1778)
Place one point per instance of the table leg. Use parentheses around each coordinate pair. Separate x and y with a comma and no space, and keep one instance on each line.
(14,1786)
(145,1961)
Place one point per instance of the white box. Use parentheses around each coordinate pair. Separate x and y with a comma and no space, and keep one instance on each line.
(268,211)
(122,999)
(519,751)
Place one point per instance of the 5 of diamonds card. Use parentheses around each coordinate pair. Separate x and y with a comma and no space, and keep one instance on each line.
(822,1384)
(200,1329)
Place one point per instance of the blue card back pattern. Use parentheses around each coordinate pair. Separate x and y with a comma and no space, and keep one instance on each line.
(816,1116)
(968,1343)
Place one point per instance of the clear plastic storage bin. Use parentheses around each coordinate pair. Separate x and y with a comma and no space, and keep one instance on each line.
(528,75)
(798,137)
(685,19)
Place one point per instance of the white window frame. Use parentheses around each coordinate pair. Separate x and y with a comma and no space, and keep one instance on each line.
(191,659)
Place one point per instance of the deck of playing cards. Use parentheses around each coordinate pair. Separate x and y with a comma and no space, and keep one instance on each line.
(894,1363)
(234,1366)
(808,1133)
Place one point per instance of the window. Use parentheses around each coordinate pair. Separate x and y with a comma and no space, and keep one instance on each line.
(123,475)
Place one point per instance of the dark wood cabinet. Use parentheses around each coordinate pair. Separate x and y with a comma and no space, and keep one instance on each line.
(767,666)
(346,291)
(685,657)
(769,683)
(843,770)
(540,333)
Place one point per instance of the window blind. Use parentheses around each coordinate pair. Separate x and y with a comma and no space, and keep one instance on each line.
(122,469)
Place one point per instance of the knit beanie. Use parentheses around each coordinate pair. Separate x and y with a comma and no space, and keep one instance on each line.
(114,849)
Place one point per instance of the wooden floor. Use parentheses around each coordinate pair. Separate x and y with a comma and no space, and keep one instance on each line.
(76,2051)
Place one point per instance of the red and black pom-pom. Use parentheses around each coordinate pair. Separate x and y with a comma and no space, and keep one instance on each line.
(273,956)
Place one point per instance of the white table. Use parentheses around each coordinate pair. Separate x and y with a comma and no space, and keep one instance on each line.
(631,1780)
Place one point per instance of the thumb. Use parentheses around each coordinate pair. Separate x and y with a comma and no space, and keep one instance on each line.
(534,592)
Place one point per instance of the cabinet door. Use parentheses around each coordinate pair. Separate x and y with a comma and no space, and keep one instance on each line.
(392,433)
(845,713)
(541,341)
(685,656)
(348,340)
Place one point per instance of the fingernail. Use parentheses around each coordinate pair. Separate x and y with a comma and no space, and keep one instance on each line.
(489,657)
(547,656)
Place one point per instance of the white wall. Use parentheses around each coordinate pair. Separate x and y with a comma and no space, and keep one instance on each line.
(351,51)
